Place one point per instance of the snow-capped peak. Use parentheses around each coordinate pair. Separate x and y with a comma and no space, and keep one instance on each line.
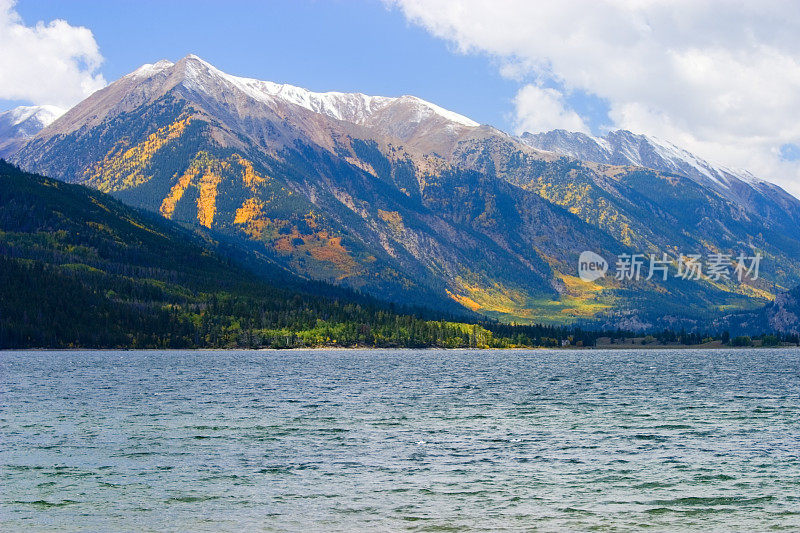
(350,107)
(446,113)
(148,69)
(21,123)
(622,147)
(41,115)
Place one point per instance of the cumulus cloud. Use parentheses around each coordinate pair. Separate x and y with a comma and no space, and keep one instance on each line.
(53,63)
(542,109)
(718,77)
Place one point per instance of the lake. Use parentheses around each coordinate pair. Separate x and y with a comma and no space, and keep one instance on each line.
(420,440)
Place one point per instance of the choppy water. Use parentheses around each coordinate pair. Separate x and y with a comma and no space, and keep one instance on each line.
(394,440)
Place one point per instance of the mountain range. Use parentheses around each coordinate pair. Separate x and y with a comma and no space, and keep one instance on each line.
(622,147)
(20,124)
(411,203)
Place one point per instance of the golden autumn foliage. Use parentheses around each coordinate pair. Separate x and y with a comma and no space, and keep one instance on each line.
(488,296)
(580,300)
(578,199)
(392,218)
(332,251)
(251,216)
(318,244)
(207,201)
(205,173)
(123,168)
(464,300)
(177,190)
(249,175)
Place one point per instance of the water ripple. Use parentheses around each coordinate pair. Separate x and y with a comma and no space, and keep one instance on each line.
(400,440)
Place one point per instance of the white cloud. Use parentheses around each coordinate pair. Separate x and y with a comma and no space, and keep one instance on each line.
(718,77)
(52,63)
(541,109)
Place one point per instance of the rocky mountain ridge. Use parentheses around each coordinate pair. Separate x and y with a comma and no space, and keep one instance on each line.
(409,202)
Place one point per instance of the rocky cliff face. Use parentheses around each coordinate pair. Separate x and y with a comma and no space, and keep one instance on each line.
(784,314)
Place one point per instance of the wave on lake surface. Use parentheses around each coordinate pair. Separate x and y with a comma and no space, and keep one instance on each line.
(400,440)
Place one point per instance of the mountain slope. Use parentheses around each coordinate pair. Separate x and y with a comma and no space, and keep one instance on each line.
(78,268)
(409,202)
(20,124)
(621,147)
(320,193)
(784,313)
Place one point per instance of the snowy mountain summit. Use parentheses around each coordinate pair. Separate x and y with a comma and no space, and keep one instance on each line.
(622,147)
(351,107)
(21,123)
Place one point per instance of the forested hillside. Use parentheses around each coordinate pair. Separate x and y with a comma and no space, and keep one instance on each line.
(80,269)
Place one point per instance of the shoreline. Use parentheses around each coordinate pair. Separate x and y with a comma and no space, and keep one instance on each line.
(362,348)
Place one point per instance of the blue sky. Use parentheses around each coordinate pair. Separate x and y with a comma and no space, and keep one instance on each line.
(353,45)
